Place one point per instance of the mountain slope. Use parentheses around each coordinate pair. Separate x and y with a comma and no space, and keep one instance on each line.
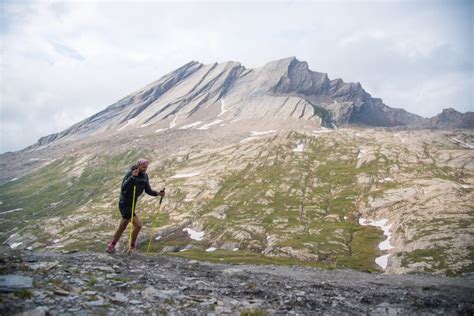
(283,193)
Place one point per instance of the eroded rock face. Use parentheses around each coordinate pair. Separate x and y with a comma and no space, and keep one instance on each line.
(92,283)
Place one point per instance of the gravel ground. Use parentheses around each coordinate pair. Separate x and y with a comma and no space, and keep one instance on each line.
(94,283)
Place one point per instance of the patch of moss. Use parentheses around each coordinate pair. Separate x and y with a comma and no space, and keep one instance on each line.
(253,312)
(24,294)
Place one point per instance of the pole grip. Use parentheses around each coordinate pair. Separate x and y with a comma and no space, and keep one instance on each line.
(161,198)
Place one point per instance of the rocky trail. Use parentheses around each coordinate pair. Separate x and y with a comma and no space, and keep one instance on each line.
(93,283)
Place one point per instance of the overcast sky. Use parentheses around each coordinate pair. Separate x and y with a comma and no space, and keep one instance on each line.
(64,61)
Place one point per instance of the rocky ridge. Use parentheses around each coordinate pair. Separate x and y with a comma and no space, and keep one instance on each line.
(279,90)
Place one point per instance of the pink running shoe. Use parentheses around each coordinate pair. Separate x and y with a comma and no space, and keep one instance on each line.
(110,249)
(132,250)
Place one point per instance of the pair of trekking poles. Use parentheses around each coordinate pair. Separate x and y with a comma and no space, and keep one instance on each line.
(154,221)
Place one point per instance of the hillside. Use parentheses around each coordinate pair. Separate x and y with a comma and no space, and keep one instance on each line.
(275,190)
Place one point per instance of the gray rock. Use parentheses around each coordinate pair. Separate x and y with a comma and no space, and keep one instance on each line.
(43,265)
(61,292)
(232,271)
(97,303)
(119,298)
(171,249)
(105,269)
(13,282)
(150,293)
(38,311)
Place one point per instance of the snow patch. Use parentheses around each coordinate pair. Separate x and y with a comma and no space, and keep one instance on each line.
(255,133)
(388,179)
(191,125)
(384,245)
(11,211)
(299,148)
(185,175)
(321,131)
(382,261)
(129,122)
(211,249)
(194,234)
(14,179)
(157,237)
(235,249)
(173,122)
(56,241)
(161,130)
(463,144)
(208,125)
(248,139)
(223,110)
(16,244)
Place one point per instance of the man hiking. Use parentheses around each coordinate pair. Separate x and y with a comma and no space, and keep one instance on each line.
(135,177)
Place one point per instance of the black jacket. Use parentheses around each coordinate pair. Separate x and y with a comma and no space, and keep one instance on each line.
(141,181)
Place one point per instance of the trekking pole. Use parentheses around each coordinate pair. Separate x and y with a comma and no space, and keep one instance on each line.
(131,226)
(154,223)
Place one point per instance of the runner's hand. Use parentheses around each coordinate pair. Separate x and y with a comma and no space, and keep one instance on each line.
(135,172)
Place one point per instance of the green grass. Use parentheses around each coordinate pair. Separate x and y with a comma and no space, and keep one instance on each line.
(438,260)
(24,294)
(92,281)
(243,257)
(253,312)
(51,191)
(301,205)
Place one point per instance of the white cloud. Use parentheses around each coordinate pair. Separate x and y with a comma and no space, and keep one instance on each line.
(63,61)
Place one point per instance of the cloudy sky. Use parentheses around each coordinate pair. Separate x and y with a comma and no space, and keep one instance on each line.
(61,61)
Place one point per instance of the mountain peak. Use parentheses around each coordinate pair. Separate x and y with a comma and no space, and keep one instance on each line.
(280,64)
(449,111)
(281,89)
